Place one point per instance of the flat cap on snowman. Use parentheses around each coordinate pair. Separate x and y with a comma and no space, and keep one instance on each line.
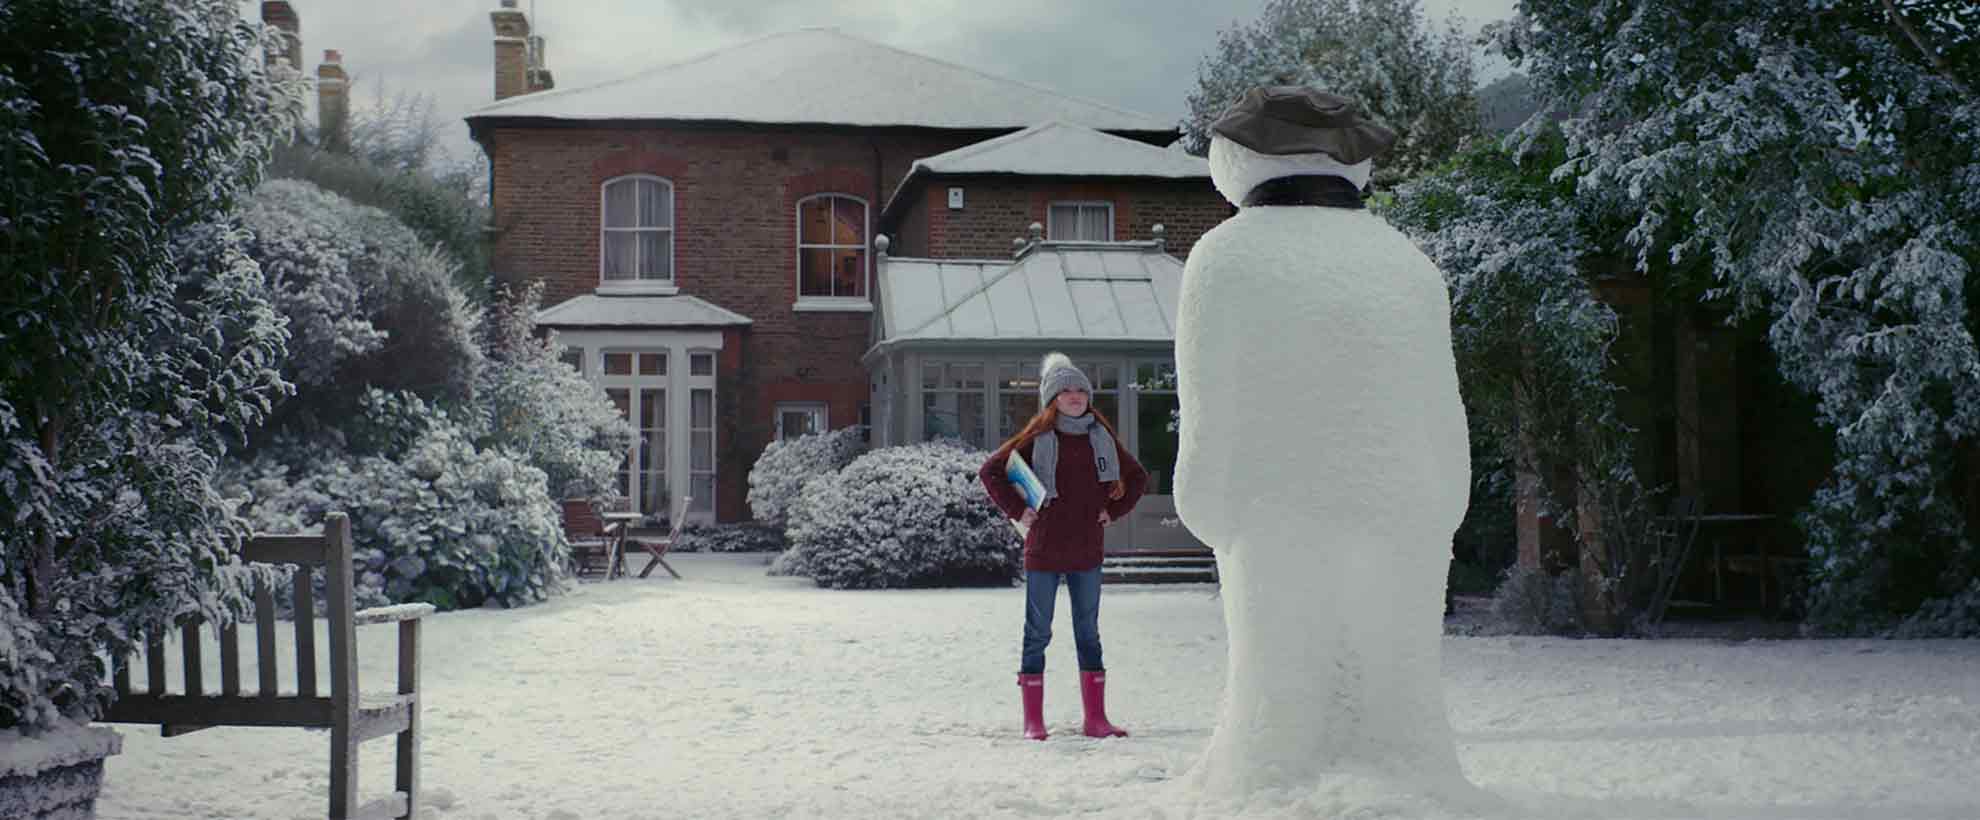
(1295,119)
(1290,130)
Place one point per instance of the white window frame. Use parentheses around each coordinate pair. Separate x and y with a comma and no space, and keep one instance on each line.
(702,509)
(834,303)
(664,287)
(1081,204)
(634,383)
(819,411)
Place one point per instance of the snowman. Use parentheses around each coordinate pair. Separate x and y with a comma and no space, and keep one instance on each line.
(1324,457)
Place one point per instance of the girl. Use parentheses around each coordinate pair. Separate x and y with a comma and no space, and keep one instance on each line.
(1090,482)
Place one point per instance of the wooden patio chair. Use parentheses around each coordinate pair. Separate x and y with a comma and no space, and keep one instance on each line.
(592,543)
(1674,536)
(656,548)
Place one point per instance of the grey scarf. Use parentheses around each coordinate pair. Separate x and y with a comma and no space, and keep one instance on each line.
(1045,451)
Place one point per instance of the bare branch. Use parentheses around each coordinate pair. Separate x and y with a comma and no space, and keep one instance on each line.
(1911,33)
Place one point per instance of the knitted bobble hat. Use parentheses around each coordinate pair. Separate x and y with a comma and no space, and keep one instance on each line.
(1057,374)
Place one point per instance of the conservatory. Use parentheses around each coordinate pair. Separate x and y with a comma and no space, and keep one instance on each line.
(957,343)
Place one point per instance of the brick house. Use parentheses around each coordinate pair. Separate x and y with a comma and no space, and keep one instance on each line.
(706,231)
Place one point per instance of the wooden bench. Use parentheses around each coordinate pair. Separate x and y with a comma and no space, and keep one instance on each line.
(351,720)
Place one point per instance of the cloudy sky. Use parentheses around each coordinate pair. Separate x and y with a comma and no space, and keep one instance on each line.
(1136,54)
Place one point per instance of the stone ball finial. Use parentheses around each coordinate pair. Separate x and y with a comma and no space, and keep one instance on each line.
(881,243)
(1018,245)
(1037,232)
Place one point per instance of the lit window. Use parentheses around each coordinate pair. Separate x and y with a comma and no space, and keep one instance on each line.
(832,247)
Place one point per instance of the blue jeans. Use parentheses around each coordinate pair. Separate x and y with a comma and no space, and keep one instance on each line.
(1041,592)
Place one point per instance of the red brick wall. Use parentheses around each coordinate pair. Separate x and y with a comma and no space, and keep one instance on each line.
(998,209)
(735,222)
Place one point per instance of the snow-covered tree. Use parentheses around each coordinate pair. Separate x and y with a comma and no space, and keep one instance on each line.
(1407,72)
(127,366)
(370,305)
(1816,166)
(533,404)
(911,516)
(779,475)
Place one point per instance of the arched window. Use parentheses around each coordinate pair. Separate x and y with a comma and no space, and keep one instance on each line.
(636,230)
(832,263)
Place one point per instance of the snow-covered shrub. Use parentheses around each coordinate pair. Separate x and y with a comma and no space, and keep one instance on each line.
(1531,601)
(912,516)
(436,199)
(126,368)
(744,537)
(438,520)
(781,472)
(369,305)
(533,404)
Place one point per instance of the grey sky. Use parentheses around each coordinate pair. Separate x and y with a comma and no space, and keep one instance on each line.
(1136,54)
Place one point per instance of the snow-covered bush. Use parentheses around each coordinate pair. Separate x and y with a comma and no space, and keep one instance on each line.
(434,519)
(912,516)
(369,304)
(126,369)
(781,472)
(533,404)
(438,200)
(744,537)
(1530,601)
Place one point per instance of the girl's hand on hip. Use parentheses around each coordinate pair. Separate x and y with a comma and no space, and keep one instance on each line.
(1105,519)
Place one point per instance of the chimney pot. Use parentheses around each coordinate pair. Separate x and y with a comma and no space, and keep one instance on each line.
(333,102)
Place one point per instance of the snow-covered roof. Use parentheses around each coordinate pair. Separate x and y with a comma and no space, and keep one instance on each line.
(821,76)
(1064,149)
(1051,149)
(1061,291)
(679,310)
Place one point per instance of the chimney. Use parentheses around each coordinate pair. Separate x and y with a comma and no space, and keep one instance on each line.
(333,102)
(539,77)
(282,15)
(512,61)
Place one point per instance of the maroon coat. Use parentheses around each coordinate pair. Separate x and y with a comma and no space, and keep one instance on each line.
(1067,537)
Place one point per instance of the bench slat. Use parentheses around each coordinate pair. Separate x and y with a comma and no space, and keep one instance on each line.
(230,660)
(303,550)
(219,710)
(264,637)
(154,663)
(305,616)
(189,650)
(380,717)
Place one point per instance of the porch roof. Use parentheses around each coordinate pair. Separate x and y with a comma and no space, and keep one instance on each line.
(592,310)
(1058,291)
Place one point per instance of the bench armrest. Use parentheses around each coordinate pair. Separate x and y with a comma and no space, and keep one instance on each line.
(392,614)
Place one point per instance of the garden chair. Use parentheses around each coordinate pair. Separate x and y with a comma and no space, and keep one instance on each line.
(1674,535)
(656,548)
(594,545)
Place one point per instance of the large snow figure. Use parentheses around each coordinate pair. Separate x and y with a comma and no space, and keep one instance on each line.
(1324,457)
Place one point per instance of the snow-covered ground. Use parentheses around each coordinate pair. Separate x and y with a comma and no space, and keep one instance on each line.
(736,695)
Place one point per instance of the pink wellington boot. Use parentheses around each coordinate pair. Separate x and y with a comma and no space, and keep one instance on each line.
(1093,695)
(1033,687)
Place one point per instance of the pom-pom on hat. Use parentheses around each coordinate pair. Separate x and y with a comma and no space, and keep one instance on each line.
(1057,374)
(1295,119)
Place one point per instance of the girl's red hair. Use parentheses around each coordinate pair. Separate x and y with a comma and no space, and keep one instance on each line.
(1047,418)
